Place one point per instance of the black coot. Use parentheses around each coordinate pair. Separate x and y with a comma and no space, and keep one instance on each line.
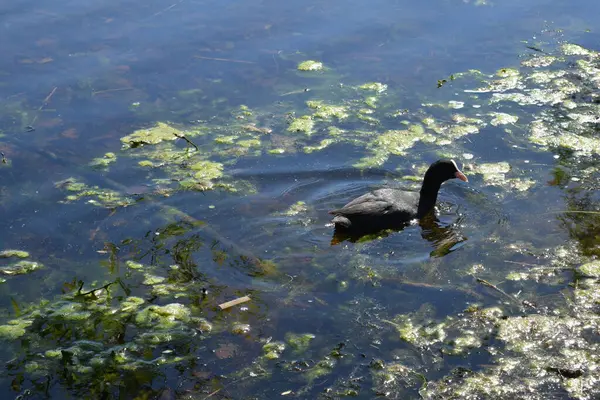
(394,208)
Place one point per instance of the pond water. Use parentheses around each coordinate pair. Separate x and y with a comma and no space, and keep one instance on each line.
(160,158)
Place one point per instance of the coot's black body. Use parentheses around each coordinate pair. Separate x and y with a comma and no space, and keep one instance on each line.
(394,208)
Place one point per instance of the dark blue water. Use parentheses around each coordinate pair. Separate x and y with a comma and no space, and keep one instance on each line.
(77,76)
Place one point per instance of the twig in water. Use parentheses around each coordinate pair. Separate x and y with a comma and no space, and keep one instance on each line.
(166,9)
(111,90)
(571,212)
(234,302)
(523,263)
(47,99)
(225,59)
(496,288)
(44,104)
(535,49)
(187,140)
(212,394)
(105,287)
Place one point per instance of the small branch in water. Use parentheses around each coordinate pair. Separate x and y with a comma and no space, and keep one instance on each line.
(105,287)
(502,292)
(44,104)
(47,99)
(535,49)
(234,302)
(187,140)
(225,59)
(296,92)
(523,263)
(571,212)
(212,394)
(111,90)
(166,9)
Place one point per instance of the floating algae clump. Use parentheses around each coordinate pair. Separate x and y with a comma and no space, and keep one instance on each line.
(374,86)
(326,111)
(273,350)
(299,342)
(493,171)
(545,134)
(207,170)
(14,329)
(163,317)
(297,208)
(13,253)
(591,269)
(503,119)
(310,65)
(104,161)
(98,197)
(69,311)
(158,133)
(302,124)
(21,267)
(395,142)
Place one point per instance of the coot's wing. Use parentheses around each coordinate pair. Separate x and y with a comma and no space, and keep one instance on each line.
(367,204)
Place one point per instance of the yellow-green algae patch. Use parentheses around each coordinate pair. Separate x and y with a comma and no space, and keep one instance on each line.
(495,174)
(393,142)
(299,342)
(503,119)
(591,269)
(206,171)
(134,265)
(163,317)
(571,49)
(374,86)
(104,161)
(97,196)
(304,124)
(273,350)
(226,139)
(322,368)
(150,279)
(543,134)
(70,311)
(239,328)
(14,329)
(326,111)
(250,143)
(146,164)
(320,146)
(154,135)
(21,267)
(14,253)
(310,65)
(493,171)
(299,207)
(539,61)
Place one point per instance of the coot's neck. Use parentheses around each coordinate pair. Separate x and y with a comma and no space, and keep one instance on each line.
(428,195)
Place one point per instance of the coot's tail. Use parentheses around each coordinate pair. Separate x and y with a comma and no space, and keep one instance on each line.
(341,221)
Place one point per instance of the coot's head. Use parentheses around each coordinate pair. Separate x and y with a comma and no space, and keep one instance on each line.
(442,170)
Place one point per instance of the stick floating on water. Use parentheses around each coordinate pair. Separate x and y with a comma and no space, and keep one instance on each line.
(234,302)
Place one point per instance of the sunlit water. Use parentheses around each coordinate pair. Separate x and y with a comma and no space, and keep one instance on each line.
(240,53)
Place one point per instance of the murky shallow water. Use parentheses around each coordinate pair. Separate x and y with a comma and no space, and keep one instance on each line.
(78,77)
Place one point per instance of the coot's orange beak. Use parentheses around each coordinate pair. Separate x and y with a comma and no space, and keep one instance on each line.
(461,176)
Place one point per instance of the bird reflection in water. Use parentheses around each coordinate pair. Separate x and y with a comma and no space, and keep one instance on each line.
(444,238)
